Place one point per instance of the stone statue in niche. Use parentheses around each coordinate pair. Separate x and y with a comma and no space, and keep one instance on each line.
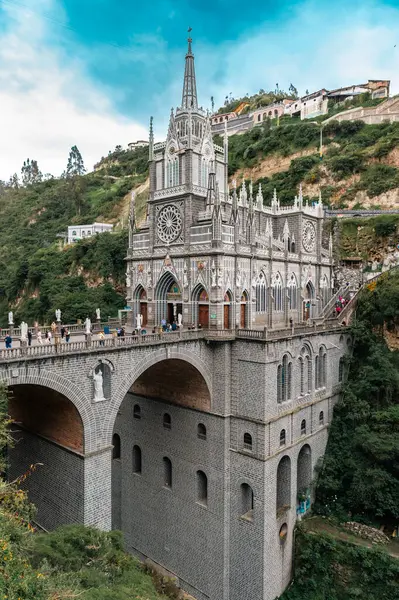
(220,278)
(149,278)
(185,279)
(238,278)
(98,385)
(213,276)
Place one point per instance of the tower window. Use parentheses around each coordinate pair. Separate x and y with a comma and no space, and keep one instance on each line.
(247,502)
(303,427)
(321,418)
(282,437)
(137,460)
(201,431)
(202,488)
(248,441)
(136,412)
(167,472)
(116,442)
(167,421)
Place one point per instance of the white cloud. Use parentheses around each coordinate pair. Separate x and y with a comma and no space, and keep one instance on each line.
(315,45)
(48,103)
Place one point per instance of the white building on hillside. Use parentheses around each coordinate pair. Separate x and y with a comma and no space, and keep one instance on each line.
(80,232)
(138,144)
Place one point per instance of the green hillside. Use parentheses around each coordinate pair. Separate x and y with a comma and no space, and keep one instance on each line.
(39,274)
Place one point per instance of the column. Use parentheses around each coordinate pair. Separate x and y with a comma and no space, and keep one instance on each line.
(97,489)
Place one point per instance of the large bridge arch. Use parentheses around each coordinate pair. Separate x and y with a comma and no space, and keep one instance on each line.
(65,387)
(143,365)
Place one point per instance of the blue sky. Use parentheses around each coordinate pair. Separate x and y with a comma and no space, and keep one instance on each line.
(91,72)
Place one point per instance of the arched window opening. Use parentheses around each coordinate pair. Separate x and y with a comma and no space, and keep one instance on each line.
(202,488)
(303,427)
(324,291)
(321,418)
(293,247)
(167,421)
(309,371)
(292,293)
(248,441)
(316,373)
(277,287)
(247,502)
(283,492)
(137,460)
(116,442)
(304,478)
(284,378)
(258,117)
(167,472)
(201,431)
(136,412)
(282,437)
(324,367)
(301,376)
(172,172)
(341,369)
(261,294)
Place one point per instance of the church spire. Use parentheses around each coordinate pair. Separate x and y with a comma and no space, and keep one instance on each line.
(189,98)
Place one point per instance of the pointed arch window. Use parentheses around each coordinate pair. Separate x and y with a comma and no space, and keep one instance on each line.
(277,286)
(202,488)
(282,437)
(292,293)
(261,294)
(172,172)
(324,293)
(284,379)
(205,168)
(341,369)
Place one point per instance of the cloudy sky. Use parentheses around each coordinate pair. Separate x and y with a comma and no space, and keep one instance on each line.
(91,72)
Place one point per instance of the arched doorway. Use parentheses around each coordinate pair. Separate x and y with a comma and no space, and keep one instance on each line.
(48,429)
(141,304)
(308,301)
(243,310)
(168,299)
(200,300)
(227,310)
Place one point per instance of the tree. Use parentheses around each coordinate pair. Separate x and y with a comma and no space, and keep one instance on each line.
(76,184)
(30,172)
(75,164)
(213,103)
(14,181)
(293,91)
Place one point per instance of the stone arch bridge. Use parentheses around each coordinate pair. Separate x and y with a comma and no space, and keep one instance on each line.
(223,408)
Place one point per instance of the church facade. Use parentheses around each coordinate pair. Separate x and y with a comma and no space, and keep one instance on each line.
(212,473)
(223,258)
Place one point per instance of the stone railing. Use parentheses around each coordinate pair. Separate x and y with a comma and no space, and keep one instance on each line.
(129,341)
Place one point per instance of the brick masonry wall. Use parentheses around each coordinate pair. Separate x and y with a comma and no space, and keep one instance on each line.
(56,487)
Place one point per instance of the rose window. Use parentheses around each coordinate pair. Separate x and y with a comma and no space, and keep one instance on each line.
(169,224)
(309,236)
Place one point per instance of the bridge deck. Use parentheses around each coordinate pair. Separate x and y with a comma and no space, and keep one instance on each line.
(149,339)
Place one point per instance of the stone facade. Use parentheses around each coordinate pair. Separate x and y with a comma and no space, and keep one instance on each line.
(221,259)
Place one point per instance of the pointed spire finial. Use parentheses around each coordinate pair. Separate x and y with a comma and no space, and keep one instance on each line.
(151,140)
(189,98)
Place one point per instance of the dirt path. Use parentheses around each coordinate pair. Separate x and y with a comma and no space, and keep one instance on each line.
(316,525)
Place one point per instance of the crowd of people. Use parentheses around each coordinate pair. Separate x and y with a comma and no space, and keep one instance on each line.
(339,305)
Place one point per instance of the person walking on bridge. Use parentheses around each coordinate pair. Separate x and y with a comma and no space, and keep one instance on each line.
(29,338)
(39,337)
(8,341)
(67,335)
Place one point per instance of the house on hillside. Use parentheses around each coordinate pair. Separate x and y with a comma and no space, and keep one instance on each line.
(271,111)
(138,144)
(376,87)
(80,232)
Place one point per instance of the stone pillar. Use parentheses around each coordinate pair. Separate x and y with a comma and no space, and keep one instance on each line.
(97,489)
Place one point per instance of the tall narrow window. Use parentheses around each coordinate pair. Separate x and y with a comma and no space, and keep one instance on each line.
(279,384)
(324,367)
(282,437)
(137,460)
(316,373)
(167,421)
(341,369)
(301,376)
(136,412)
(167,472)
(321,418)
(309,371)
(247,502)
(289,380)
(201,431)
(303,427)
(248,441)
(292,293)
(261,294)
(277,287)
(202,488)
(116,442)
